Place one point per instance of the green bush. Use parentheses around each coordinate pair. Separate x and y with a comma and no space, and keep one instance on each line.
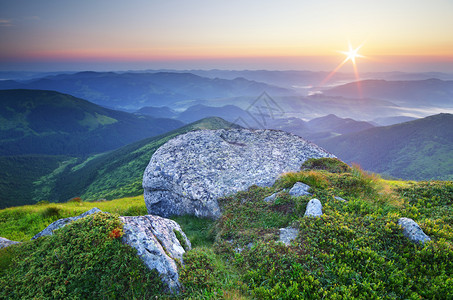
(199,273)
(51,211)
(85,259)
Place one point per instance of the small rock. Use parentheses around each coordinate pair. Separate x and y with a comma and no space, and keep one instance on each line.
(340,199)
(412,231)
(288,234)
(299,189)
(270,198)
(6,243)
(240,249)
(157,245)
(63,222)
(274,196)
(314,208)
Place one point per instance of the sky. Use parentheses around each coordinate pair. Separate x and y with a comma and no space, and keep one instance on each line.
(63,35)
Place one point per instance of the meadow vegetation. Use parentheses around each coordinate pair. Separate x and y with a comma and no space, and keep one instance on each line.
(355,250)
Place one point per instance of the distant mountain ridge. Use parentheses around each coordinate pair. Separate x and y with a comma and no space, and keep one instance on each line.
(48,122)
(418,150)
(135,90)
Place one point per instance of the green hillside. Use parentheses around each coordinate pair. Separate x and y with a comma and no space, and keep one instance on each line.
(420,150)
(355,250)
(48,122)
(108,175)
(18,175)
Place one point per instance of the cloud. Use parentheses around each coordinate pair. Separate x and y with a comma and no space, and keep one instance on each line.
(5,23)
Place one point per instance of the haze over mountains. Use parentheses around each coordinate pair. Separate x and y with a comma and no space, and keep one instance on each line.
(132,91)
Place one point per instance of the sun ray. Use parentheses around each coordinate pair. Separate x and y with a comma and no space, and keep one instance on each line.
(351,55)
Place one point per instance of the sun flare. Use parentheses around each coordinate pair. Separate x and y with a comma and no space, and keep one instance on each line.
(352,54)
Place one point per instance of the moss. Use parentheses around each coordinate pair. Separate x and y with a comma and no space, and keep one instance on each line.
(181,240)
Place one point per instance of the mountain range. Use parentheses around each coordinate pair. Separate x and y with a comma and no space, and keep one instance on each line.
(315,129)
(297,92)
(131,91)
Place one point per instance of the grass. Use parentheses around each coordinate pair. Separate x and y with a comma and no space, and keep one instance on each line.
(355,250)
(23,222)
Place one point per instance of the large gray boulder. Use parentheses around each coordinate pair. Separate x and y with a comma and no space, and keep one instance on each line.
(157,244)
(6,243)
(63,222)
(191,171)
(412,231)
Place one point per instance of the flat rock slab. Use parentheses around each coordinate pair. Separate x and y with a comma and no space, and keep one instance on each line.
(314,208)
(191,171)
(412,231)
(288,234)
(63,222)
(340,199)
(157,245)
(299,189)
(6,243)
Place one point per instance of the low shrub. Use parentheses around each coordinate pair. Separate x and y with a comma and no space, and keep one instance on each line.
(428,193)
(51,211)
(76,200)
(332,165)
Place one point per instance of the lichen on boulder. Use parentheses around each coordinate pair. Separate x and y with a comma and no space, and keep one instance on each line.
(191,171)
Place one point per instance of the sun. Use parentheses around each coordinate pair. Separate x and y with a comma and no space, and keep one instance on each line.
(352,54)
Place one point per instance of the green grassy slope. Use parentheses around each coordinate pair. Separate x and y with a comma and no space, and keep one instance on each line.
(355,250)
(47,122)
(419,150)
